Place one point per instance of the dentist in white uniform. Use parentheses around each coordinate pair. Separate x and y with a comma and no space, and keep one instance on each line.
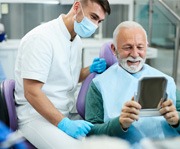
(47,71)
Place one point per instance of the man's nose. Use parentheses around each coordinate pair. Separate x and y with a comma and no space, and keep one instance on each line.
(134,52)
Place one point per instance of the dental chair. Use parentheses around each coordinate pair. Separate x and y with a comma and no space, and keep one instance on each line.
(7,107)
(107,54)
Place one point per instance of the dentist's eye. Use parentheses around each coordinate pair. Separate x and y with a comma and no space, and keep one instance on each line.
(94,17)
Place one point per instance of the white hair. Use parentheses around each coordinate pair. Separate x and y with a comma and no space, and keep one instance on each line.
(126,24)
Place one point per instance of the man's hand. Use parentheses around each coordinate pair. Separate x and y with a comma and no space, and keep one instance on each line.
(168,110)
(129,113)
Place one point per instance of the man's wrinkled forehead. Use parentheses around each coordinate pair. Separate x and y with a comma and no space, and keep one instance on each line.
(127,34)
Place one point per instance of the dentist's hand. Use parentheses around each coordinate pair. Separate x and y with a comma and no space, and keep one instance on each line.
(75,128)
(98,65)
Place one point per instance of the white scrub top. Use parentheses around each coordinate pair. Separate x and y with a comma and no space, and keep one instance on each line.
(47,54)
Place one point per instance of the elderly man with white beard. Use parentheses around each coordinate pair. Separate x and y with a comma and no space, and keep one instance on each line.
(110,105)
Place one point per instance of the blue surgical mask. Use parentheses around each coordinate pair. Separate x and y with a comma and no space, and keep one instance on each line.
(85,28)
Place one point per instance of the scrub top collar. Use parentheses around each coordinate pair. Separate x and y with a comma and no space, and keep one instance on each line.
(64,29)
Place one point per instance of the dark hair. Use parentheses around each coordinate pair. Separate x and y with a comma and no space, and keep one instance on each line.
(103,3)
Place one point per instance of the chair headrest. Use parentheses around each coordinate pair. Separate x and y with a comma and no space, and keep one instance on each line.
(107,54)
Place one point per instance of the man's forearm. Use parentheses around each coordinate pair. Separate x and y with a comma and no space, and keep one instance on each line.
(111,128)
(44,107)
(40,102)
(83,74)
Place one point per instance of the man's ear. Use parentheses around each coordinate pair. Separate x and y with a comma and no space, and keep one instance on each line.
(76,6)
(113,49)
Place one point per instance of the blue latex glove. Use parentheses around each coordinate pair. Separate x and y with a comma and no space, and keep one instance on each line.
(98,65)
(6,135)
(75,128)
(4,132)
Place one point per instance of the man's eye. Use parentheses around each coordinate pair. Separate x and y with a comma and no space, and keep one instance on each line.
(140,48)
(99,21)
(127,48)
(94,18)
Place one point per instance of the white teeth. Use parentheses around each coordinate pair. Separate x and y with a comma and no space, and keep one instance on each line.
(135,66)
(133,61)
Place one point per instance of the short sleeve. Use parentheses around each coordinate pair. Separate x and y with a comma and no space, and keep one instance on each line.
(36,58)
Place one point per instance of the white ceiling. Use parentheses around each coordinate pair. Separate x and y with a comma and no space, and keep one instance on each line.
(31,1)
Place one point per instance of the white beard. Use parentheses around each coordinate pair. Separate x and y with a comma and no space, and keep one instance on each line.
(132,68)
